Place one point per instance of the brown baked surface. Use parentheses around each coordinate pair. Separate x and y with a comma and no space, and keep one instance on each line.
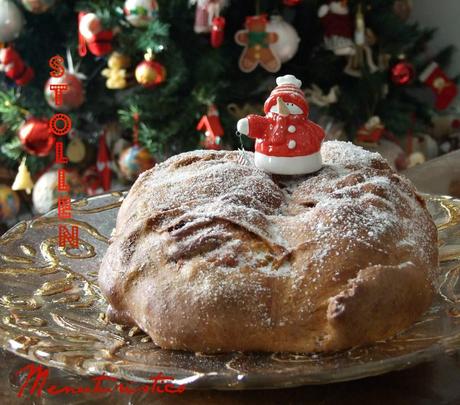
(211,255)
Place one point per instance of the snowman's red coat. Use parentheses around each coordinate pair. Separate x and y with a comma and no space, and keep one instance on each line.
(274,134)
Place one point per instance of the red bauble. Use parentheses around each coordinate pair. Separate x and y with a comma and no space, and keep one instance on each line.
(150,73)
(292,3)
(35,137)
(402,73)
(73,98)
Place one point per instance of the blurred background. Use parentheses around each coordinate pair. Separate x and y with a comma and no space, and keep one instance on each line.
(148,79)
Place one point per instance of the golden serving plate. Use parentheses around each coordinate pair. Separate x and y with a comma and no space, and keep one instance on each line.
(52,312)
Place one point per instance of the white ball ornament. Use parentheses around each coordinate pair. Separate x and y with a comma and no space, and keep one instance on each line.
(139,13)
(11,21)
(45,193)
(288,40)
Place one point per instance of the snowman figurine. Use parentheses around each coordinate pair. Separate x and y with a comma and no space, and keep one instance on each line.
(287,142)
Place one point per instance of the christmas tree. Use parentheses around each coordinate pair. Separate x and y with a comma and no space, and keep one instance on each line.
(158,67)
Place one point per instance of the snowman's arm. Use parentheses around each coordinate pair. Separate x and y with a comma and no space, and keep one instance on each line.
(254,126)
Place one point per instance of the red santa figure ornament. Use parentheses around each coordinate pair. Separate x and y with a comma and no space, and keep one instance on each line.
(338,27)
(92,36)
(287,142)
(14,67)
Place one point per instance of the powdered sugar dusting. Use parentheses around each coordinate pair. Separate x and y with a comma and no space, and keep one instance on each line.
(237,219)
(351,204)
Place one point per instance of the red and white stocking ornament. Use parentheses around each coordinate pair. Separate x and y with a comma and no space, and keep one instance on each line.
(14,67)
(287,142)
(338,27)
(212,129)
(92,36)
(444,88)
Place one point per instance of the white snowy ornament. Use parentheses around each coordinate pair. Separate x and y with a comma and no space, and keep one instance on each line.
(287,142)
(45,193)
(11,21)
(139,13)
(288,40)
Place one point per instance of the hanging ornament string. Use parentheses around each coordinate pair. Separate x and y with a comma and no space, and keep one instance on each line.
(136,129)
(74,70)
(70,61)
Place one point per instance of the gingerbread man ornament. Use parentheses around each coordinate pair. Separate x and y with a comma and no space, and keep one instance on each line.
(257,41)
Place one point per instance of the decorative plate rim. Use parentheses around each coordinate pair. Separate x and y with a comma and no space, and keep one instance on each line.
(261,379)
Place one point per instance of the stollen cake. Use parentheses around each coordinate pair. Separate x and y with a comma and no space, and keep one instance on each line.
(212,254)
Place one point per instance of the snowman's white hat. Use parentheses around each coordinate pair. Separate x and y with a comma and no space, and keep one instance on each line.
(289,79)
(288,88)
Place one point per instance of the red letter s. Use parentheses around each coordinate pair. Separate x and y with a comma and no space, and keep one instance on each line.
(57,64)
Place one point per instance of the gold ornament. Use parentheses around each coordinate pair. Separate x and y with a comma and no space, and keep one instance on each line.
(364,39)
(76,150)
(23,180)
(316,96)
(150,73)
(145,74)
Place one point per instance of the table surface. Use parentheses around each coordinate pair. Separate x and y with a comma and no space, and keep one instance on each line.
(436,382)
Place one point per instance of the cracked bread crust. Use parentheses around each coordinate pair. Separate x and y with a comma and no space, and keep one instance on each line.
(210,255)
